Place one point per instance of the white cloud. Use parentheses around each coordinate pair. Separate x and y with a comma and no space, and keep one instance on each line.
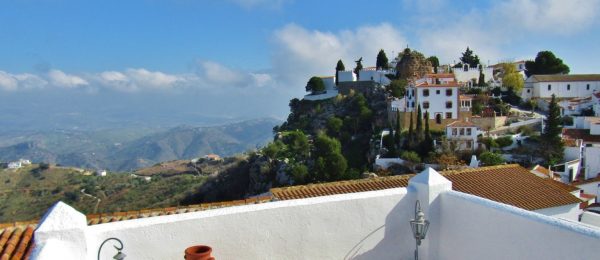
(13,82)
(492,31)
(548,16)
(300,53)
(61,79)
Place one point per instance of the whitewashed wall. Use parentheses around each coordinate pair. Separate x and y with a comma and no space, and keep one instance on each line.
(591,188)
(592,161)
(345,76)
(371,225)
(477,228)
(570,212)
(437,102)
(577,89)
(472,73)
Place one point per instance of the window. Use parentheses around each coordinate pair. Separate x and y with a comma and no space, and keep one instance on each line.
(468,131)
(587,87)
(438,118)
(448,92)
(454,131)
(437,91)
(425,105)
(549,87)
(448,104)
(426,92)
(568,86)
(529,91)
(449,115)
(469,144)
(462,131)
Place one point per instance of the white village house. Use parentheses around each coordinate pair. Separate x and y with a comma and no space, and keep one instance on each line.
(463,135)
(563,86)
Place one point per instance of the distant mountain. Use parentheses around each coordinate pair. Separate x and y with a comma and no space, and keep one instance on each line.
(187,142)
(127,149)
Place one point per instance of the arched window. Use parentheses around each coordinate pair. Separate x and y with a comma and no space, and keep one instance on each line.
(438,118)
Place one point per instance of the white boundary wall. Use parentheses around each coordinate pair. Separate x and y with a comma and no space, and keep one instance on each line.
(370,225)
(477,228)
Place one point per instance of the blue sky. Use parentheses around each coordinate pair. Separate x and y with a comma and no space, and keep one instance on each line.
(229,56)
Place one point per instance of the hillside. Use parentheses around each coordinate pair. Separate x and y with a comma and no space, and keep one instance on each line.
(28,192)
(130,149)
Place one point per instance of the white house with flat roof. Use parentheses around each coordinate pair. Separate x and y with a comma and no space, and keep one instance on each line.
(563,86)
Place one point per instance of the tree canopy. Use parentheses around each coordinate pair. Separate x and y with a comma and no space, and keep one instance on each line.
(546,63)
(490,159)
(551,143)
(358,68)
(435,63)
(397,87)
(511,78)
(382,60)
(338,67)
(315,85)
(469,58)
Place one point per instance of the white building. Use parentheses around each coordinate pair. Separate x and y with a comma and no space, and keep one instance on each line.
(440,100)
(330,90)
(463,135)
(346,76)
(373,74)
(466,74)
(101,173)
(563,86)
(15,165)
(362,219)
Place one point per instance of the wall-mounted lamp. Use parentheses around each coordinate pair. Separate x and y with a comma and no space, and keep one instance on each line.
(119,255)
(419,227)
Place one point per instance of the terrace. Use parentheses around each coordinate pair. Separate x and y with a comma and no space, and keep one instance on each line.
(373,224)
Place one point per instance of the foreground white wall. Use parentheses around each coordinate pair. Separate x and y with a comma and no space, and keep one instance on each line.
(371,225)
(477,228)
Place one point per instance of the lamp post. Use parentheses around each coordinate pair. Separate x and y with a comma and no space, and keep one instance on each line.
(119,255)
(419,227)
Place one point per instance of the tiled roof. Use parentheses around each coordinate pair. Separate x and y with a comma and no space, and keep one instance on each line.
(541,169)
(340,187)
(510,184)
(440,75)
(16,241)
(465,97)
(583,134)
(461,124)
(443,85)
(571,77)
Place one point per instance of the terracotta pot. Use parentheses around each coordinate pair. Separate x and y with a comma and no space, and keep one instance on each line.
(200,252)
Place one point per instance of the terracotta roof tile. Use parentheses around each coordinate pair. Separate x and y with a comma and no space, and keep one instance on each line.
(570,77)
(461,124)
(509,184)
(341,187)
(16,241)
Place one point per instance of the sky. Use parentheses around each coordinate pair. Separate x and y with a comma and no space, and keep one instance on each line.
(180,60)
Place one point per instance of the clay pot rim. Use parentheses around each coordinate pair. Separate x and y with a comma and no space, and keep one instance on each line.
(199,250)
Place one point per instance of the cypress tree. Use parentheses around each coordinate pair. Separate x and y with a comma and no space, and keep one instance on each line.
(408,144)
(339,67)
(427,144)
(398,129)
(552,148)
(419,128)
